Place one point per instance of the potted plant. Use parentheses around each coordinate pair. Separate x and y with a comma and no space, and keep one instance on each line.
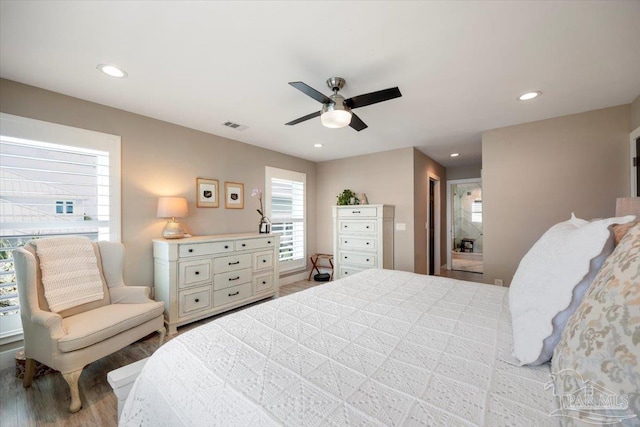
(348,197)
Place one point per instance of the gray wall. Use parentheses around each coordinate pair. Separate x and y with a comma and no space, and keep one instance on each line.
(386,178)
(397,177)
(159,158)
(635,113)
(464,172)
(536,174)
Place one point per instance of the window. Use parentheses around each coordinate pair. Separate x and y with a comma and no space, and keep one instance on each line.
(43,165)
(285,205)
(60,207)
(476,211)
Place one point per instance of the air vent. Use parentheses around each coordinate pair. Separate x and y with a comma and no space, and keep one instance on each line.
(235,126)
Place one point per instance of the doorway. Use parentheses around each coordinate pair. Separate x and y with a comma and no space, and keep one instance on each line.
(464,224)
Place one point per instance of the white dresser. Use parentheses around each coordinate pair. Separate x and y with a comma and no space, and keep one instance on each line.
(198,277)
(362,238)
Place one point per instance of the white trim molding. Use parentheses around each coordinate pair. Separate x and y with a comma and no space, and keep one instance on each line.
(635,134)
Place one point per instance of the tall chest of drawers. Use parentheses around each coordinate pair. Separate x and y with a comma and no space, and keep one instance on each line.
(362,238)
(198,277)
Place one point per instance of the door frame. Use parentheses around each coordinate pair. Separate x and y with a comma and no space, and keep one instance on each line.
(437,256)
(450,213)
(635,134)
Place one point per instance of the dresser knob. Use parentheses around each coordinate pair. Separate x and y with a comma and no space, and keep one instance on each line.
(367,226)
(264,283)
(264,260)
(190,250)
(346,257)
(197,299)
(367,243)
(243,245)
(268,242)
(235,293)
(367,259)
(226,246)
(197,272)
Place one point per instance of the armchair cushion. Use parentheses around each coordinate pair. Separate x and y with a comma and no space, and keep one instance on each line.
(97,325)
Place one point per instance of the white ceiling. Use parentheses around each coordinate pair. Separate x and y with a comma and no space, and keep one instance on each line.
(459,65)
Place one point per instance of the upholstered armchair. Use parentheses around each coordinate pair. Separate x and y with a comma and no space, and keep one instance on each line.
(70,339)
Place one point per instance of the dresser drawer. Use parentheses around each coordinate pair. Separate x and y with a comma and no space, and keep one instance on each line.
(357,226)
(193,300)
(262,260)
(349,271)
(358,211)
(260,243)
(263,283)
(231,278)
(366,260)
(198,249)
(191,273)
(229,295)
(231,263)
(352,242)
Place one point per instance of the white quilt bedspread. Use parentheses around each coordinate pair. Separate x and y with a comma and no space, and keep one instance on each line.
(378,348)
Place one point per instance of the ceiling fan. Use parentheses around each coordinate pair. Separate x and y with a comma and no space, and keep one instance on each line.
(336,111)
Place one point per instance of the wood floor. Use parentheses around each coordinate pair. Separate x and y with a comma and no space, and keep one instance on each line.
(45,403)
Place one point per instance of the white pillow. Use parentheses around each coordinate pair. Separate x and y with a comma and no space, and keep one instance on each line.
(551,280)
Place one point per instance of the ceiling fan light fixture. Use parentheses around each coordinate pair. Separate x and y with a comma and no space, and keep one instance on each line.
(335,115)
(336,119)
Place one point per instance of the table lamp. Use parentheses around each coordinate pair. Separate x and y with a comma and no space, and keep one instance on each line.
(172,207)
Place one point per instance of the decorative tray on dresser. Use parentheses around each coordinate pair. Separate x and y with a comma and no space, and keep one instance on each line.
(201,276)
(362,238)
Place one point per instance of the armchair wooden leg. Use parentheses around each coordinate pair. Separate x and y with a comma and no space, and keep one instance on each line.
(30,367)
(72,379)
(162,331)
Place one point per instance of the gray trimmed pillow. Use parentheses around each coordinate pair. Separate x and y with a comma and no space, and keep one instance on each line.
(551,281)
(600,344)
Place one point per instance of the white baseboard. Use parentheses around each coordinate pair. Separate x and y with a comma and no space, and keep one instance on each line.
(8,358)
(293,278)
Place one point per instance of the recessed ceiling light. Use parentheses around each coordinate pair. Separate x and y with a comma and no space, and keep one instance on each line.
(454,154)
(318,145)
(529,95)
(112,70)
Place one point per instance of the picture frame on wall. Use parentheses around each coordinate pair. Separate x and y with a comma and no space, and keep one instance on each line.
(207,193)
(234,195)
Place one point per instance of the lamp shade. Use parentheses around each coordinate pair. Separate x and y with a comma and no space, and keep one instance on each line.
(172,207)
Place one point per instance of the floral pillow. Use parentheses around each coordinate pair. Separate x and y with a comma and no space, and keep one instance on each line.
(598,356)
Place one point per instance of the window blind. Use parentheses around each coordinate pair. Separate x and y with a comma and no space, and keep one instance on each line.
(286,210)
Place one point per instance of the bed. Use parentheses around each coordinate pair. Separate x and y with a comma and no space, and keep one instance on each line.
(381,347)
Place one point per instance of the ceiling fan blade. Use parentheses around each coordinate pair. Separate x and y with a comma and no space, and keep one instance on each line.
(302,119)
(373,97)
(309,91)
(356,123)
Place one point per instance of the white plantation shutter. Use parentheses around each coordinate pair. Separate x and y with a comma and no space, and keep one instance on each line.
(285,206)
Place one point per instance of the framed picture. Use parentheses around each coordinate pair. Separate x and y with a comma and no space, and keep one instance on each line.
(207,193)
(234,195)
